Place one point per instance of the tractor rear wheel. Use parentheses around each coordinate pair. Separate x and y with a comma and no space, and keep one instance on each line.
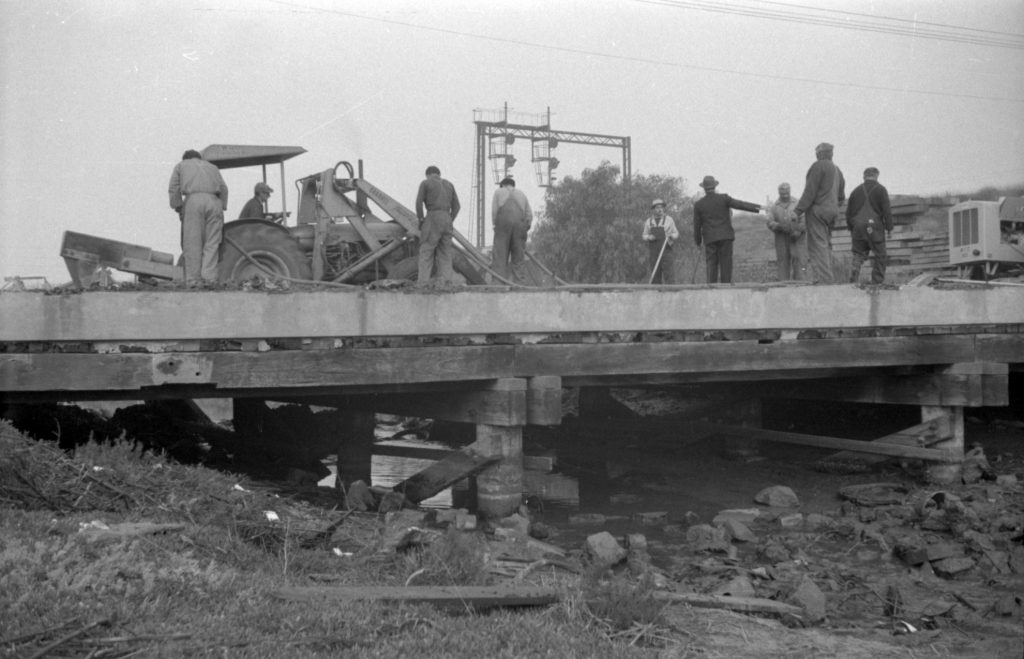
(260,249)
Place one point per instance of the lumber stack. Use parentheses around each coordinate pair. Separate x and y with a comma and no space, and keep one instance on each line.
(910,246)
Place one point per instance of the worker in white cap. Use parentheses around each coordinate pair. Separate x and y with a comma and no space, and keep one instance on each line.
(790,236)
(660,233)
(256,208)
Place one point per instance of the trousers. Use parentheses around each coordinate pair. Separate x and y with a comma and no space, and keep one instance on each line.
(202,226)
(436,247)
(718,254)
(819,244)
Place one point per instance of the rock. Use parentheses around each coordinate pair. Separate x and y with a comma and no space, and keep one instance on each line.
(743,515)
(978,542)
(636,542)
(808,596)
(691,518)
(464,521)
(1008,605)
(1017,560)
(705,537)
(515,522)
(777,496)
(659,517)
(738,531)
(774,552)
(950,567)
(401,529)
(816,521)
(540,530)
(975,466)
(359,497)
(1006,480)
(911,551)
(791,521)
(446,516)
(943,550)
(736,587)
(603,549)
(587,519)
(391,502)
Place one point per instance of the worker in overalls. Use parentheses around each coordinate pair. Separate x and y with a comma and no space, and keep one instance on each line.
(869,219)
(660,233)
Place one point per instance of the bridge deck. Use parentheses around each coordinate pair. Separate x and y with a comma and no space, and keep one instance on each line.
(232,342)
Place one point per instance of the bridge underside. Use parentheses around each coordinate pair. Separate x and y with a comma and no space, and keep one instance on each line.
(499,358)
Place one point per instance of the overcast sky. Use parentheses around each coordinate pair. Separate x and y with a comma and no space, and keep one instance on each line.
(100,98)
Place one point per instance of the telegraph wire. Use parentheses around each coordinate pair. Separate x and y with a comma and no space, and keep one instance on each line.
(642,60)
(916,30)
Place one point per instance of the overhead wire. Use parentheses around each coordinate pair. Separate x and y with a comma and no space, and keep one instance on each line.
(645,60)
(875,24)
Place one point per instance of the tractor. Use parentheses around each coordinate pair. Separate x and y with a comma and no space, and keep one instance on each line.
(336,237)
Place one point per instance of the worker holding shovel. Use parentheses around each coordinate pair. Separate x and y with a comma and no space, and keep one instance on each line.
(660,232)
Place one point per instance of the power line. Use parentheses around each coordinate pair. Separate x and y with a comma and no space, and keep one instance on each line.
(642,60)
(912,21)
(874,24)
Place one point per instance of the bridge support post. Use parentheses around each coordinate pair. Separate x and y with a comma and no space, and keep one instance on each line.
(947,472)
(499,488)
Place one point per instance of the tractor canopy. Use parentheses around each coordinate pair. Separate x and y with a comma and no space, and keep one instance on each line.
(229,156)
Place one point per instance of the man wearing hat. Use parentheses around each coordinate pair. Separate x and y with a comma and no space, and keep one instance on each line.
(790,238)
(869,218)
(660,233)
(256,207)
(824,191)
(712,227)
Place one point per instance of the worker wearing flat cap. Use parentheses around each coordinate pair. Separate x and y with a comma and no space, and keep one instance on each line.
(824,191)
(660,233)
(256,208)
(869,218)
(712,227)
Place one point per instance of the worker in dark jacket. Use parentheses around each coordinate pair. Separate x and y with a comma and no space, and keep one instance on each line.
(198,193)
(824,191)
(867,214)
(437,205)
(256,208)
(712,227)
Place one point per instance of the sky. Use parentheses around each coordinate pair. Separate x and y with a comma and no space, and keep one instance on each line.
(101,97)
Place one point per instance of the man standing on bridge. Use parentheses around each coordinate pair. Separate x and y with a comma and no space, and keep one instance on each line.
(511,216)
(712,226)
(867,214)
(200,197)
(790,241)
(824,191)
(660,233)
(437,198)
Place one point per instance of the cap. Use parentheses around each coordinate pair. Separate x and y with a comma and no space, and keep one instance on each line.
(657,202)
(871,172)
(709,182)
(824,146)
(508,180)
(262,187)
(783,186)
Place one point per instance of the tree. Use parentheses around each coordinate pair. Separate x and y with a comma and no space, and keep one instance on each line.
(591,229)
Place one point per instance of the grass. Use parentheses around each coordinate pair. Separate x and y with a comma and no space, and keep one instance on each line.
(208,590)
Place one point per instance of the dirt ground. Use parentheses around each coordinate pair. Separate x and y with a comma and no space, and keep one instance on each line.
(907,569)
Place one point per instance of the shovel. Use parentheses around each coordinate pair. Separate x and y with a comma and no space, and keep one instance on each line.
(657,263)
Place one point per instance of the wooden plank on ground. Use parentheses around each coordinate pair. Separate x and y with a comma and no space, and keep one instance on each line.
(853,445)
(444,473)
(923,434)
(476,598)
(742,604)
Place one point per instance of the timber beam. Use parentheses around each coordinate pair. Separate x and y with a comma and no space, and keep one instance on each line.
(972,384)
(501,402)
